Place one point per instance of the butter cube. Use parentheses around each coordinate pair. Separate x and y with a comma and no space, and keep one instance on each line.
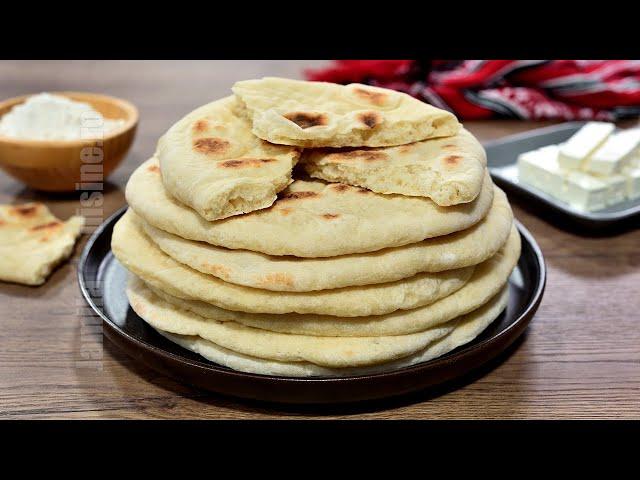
(575,151)
(614,153)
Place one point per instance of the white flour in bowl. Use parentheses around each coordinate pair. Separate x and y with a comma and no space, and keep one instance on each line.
(53,117)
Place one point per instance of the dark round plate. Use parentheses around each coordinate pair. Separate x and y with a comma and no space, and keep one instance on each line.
(102,281)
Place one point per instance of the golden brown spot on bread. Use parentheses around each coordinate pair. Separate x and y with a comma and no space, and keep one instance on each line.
(330,216)
(200,126)
(370,119)
(153,168)
(46,226)
(211,145)
(27,210)
(276,279)
(375,98)
(365,155)
(452,160)
(408,148)
(216,270)
(284,211)
(2,222)
(341,187)
(307,119)
(246,162)
(298,195)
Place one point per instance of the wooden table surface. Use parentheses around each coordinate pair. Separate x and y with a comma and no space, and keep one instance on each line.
(579,359)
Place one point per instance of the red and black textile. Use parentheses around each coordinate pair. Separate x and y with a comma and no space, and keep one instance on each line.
(525,89)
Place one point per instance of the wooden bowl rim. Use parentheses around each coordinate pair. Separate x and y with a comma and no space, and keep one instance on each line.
(130,121)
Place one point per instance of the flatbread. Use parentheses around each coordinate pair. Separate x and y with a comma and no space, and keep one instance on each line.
(447,170)
(293,274)
(485,283)
(33,242)
(467,329)
(142,257)
(212,162)
(320,114)
(310,218)
(333,352)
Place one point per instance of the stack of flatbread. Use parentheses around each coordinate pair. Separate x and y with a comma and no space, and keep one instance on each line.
(307,228)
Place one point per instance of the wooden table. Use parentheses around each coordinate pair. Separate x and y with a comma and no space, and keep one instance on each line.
(580,358)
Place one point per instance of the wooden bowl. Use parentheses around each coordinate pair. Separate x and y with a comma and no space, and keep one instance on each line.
(63,165)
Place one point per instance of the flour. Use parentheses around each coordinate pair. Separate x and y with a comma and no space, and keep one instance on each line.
(53,117)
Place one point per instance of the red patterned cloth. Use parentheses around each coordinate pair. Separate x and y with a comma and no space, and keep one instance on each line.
(526,89)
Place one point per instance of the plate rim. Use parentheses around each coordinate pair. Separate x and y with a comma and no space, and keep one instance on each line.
(599,218)
(522,321)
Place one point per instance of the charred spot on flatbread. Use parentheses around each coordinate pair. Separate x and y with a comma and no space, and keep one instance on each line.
(370,119)
(365,155)
(211,145)
(201,125)
(25,211)
(340,187)
(452,160)
(373,97)
(246,162)
(298,195)
(46,226)
(307,119)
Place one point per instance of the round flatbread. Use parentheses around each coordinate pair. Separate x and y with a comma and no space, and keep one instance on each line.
(293,274)
(33,242)
(447,170)
(486,281)
(212,162)
(310,218)
(320,114)
(467,328)
(142,257)
(333,352)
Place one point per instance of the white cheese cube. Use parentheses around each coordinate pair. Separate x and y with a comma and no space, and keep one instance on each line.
(614,153)
(575,151)
(616,189)
(585,191)
(540,169)
(632,175)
